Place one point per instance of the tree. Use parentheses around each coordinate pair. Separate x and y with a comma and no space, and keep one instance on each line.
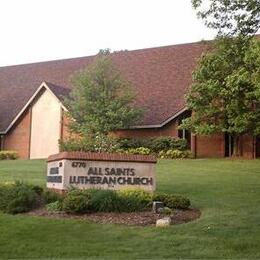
(230,17)
(225,94)
(102,99)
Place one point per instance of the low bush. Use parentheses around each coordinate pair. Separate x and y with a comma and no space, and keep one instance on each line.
(177,202)
(139,150)
(98,143)
(54,206)
(135,199)
(165,210)
(8,155)
(172,201)
(107,201)
(51,196)
(77,144)
(155,144)
(104,143)
(19,197)
(164,143)
(83,201)
(174,154)
(77,201)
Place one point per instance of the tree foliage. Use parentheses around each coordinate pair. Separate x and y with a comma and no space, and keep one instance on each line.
(230,17)
(225,95)
(102,99)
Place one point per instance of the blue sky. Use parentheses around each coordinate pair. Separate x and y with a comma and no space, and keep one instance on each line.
(39,30)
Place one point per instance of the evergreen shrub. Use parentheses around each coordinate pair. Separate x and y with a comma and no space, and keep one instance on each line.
(135,199)
(51,196)
(155,144)
(77,201)
(172,201)
(19,197)
(54,206)
(107,201)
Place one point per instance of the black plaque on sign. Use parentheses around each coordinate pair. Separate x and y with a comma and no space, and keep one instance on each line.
(54,170)
(54,179)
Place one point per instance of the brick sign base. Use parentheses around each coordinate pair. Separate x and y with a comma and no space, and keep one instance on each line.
(100,171)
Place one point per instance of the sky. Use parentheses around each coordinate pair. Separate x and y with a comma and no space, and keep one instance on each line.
(41,30)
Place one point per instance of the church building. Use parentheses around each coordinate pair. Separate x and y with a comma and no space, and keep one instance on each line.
(32,112)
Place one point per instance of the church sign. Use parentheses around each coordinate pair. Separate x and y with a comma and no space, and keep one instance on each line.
(100,171)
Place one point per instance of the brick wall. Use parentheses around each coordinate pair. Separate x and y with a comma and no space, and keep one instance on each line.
(210,146)
(65,132)
(18,138)
(247,146)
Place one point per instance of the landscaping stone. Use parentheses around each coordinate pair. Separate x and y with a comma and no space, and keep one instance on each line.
(163,222)
(156,206)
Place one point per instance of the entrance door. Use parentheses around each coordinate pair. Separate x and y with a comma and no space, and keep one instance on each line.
(258,146)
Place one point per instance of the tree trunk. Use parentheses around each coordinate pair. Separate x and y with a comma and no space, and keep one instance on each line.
(236,150)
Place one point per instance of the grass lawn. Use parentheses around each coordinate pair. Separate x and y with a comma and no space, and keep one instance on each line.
(227,192)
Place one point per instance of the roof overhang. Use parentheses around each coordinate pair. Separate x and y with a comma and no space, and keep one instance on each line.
(43,85)
(163,123)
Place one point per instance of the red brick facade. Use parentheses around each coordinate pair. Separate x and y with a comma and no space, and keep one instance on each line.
(247,147)
(209,146)
(18,138)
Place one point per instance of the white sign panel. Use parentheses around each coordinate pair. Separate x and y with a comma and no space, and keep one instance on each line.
(63,174)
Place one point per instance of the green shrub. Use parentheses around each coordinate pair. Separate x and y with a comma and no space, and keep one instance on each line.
(8,155)
(139,150)
(126,143)
(174,154)
(71,145)
(37,189)
(178,202)
(77,201)
(5,194)
(98,143)
(172,201)
(155,144)
(135,199)
(167,143)
(50,196)
(54,206)
(165,210)
(18,198)
(107,201)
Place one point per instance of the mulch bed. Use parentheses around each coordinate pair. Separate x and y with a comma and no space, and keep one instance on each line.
(132,219)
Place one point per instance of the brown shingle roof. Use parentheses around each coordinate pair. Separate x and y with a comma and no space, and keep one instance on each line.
(160,75)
